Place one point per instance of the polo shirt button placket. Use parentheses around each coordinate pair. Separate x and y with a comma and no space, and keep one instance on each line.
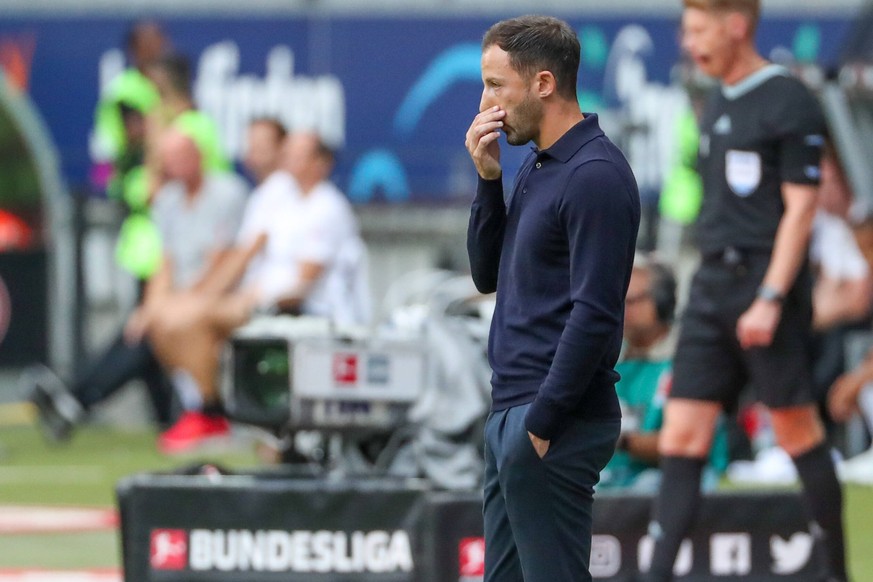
(539,165)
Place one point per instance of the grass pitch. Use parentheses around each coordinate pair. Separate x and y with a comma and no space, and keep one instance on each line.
(84,472)
(80,473)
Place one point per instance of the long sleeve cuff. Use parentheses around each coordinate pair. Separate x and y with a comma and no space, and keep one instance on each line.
(489,191)
(544,419)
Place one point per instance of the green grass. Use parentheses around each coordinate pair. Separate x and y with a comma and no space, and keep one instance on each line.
(858,515)
(67,551)
(84,473)
(85,470)
(80,473)
(859,525)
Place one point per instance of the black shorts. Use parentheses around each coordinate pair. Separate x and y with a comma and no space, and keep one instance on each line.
(710,364)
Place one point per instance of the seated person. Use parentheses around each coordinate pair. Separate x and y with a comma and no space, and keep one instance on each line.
(645,369)
(852,392)
(296,252)
(138,249)
(198,215)
(843,286)
(263,147)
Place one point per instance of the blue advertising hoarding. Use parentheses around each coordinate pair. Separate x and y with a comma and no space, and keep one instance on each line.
(396,94)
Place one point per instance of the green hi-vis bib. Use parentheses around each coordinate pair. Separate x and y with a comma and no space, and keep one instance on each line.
(134,90)
(682,191)
(200,128)
(139,246)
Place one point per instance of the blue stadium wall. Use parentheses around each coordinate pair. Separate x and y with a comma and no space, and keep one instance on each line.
(397,94)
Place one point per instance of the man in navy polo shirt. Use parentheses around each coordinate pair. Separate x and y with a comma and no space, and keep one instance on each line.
(559,252)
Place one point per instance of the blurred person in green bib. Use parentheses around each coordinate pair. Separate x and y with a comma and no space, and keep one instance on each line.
(139,245)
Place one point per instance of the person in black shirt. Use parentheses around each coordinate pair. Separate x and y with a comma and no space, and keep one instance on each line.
(749,312)
(559,252)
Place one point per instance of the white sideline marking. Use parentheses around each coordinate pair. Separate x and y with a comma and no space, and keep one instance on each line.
(60,576)
(16,519)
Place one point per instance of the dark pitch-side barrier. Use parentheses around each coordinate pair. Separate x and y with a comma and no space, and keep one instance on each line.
(269,527)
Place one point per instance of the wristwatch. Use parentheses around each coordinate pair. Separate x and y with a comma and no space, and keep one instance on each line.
(769,294)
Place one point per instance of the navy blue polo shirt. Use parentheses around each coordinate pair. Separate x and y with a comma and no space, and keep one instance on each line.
(559,252)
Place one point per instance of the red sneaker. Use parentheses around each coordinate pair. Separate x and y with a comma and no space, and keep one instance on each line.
(191,430)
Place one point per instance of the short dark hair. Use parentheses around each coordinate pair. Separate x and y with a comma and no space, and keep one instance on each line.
(126,110)
(135,30)
(539,43)
(662,285)
(178,69)
(277,126)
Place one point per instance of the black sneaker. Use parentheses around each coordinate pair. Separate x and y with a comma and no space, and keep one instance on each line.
(57,408)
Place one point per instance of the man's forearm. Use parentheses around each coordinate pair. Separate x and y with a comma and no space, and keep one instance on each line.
(836,302)
(292,300)
(642,446)
(790,248)
(485,234)
(227,268)
(159,285)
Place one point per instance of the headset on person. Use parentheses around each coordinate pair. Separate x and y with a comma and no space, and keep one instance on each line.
(662,287)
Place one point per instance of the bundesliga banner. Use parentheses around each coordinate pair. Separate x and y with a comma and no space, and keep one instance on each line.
(759,537)
(242,528)
(256,529)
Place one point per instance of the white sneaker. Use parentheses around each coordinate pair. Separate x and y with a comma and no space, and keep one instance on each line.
(858,469)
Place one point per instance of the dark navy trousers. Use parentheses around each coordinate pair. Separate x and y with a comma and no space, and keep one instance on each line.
(538,511)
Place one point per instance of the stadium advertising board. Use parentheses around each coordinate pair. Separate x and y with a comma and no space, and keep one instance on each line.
(191,529)
(177,528)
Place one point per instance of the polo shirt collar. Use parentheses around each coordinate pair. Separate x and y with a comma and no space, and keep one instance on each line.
(572,141)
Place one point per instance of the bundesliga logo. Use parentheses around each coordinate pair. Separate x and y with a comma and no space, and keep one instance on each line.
(471,558)
(281,551)
(169,549)
(345,369)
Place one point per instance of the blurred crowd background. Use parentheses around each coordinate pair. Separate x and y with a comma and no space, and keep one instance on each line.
(91,93)
(337,127)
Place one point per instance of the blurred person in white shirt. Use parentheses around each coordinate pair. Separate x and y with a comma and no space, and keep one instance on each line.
(844,286)
(298,251)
